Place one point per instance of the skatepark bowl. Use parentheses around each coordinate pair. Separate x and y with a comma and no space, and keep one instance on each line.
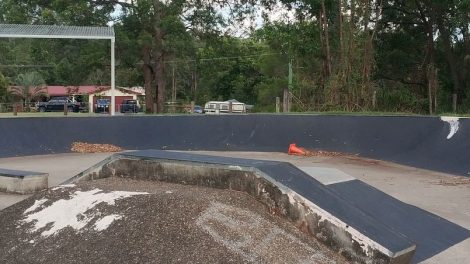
(395,190)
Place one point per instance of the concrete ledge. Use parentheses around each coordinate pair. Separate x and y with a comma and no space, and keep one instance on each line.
(283,188)
(23,182)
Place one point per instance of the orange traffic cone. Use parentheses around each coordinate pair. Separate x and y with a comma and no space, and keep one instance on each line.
(294,150)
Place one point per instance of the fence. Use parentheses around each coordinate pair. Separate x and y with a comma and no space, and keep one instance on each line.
(84,108)
(17,107)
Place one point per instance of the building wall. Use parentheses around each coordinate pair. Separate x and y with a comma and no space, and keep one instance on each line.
(119,96)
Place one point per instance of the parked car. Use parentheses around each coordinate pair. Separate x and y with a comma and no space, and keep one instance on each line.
(130,106)
(198,109)
(58,104)
(102,105)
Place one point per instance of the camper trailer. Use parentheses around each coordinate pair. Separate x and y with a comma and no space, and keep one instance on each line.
(218,107)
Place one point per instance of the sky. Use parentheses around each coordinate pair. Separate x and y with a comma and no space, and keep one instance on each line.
(278,13)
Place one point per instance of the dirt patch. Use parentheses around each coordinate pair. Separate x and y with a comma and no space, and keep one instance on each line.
(454,181)
(363,160)
(83,147)
(163,223)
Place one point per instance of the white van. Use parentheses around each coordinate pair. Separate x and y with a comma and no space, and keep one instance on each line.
(218,107)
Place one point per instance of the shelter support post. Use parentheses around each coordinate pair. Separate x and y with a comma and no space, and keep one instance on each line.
(113,79)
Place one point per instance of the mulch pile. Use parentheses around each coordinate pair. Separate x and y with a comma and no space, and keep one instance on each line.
(82,147)
(322,153)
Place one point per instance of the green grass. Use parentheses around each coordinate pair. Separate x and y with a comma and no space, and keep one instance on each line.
(454,114)
(332,113)
(37,114)
(51,114)
(367,113)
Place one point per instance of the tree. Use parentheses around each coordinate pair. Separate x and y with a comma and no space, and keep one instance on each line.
(29,86)
(58,61)
(3,89)
(356,55)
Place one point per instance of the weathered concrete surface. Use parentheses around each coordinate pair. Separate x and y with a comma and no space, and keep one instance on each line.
(8,199)
(22,182)
(59,166)
(171,224)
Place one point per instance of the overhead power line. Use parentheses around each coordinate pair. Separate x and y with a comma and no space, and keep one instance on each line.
(225,58)
(166,62)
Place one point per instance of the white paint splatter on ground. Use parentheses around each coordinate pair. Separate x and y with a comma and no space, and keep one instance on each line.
(453,124)
(105,222)
(35,206)
(75,212)
(254,238)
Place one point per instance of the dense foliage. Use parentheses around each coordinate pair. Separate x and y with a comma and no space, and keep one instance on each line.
(346,55)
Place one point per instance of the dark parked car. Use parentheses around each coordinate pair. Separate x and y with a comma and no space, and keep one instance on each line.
(130,106)
(58,104)
(102,106)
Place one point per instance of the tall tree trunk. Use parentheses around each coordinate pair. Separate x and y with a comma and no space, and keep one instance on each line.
(340,31)
(148,77)
(350,52)
(160,80)
(451,61)
(159,56)
(432,72)
(369,48)
(341,68)
(173,89)
(326,38)
(322,41)
(430,75)
(466,56)
(432,80)
(333,86)
(194,83)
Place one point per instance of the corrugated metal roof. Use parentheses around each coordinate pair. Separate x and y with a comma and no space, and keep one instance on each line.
(51,31)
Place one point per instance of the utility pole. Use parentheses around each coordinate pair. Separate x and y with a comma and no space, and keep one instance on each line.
(289,102)
(173,92)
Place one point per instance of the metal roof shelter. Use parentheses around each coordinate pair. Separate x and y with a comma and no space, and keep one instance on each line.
(65,32)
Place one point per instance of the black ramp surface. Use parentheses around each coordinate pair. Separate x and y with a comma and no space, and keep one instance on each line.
(431,233)
(416,141)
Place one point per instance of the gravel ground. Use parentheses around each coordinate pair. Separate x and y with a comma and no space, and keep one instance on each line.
(171,224)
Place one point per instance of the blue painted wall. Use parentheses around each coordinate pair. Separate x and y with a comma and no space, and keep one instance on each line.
(416,141)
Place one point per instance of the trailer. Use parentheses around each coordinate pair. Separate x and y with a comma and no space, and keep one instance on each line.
(225,107)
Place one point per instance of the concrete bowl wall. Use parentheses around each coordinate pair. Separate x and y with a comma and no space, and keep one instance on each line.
(423,142)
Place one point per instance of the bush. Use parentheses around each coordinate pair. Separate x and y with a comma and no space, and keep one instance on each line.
(400,99)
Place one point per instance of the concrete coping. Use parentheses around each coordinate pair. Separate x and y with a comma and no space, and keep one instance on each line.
(23,182)
(284,188)
(18,173)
